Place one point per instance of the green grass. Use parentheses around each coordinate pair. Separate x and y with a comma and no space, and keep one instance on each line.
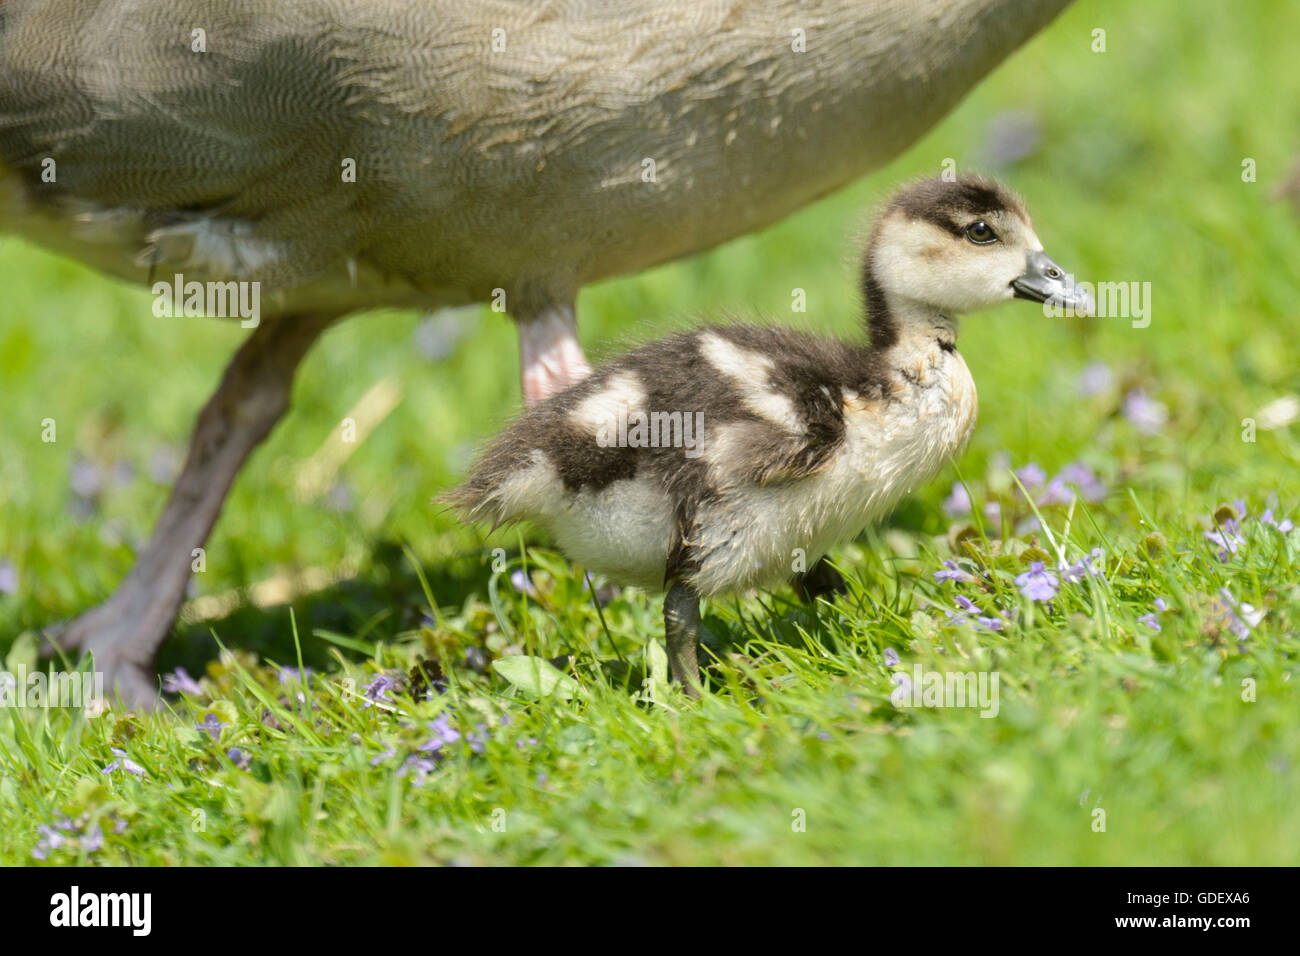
(1137,177)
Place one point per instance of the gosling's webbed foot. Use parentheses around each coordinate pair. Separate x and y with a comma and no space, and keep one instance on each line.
(682,630)
(822,581)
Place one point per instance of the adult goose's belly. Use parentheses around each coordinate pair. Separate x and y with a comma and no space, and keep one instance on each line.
(765,535)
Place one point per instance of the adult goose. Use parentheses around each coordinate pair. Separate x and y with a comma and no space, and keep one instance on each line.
(340,155)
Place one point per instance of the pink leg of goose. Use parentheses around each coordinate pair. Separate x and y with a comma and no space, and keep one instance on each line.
(125,631)
(550,357)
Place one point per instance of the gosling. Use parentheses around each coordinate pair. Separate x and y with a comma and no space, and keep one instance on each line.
(732,456)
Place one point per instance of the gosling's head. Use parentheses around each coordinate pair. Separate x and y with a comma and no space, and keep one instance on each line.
(959,246)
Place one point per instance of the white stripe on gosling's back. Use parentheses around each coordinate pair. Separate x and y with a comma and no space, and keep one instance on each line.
(750,372)
(622,395)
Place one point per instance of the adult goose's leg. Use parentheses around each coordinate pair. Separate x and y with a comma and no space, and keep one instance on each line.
(550,357)
(125,631)
(682,629)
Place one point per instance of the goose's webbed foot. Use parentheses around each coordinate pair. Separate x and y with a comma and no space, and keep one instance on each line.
(682,630)
(822,581)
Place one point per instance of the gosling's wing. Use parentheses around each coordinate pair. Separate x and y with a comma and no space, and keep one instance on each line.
(795,455)
(785,419)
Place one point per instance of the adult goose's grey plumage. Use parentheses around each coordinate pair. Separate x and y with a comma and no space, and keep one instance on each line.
(348,155)
(724,458)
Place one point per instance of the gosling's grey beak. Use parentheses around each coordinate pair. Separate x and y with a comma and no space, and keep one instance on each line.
(1045,281)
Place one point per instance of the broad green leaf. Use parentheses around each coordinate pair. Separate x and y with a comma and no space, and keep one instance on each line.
(536,677)
(24,654)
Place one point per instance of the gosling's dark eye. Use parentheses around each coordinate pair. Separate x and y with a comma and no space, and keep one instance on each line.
(981,232)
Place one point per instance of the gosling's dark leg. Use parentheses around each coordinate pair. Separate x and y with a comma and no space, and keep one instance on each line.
(682,629)
(822,581)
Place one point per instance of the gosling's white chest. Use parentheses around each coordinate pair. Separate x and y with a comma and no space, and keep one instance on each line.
(761,536)
(903,442)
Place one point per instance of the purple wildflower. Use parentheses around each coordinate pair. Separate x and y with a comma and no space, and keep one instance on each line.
(891,657)
(1152,620)
(1076,572)
(478,738)
(93,839)
(212,724)
(1242,618)
(1226,538)
(523,583)
(377,690)
(1031,476)
(1095,378)
(1038,584)
(8,577)
(1285,525)
(239,758)
(123,762)
(1061,489)
(388,752)
(165,463)
(49,840)
(957,504)
(1147,415)
(85,477)
(1057,492)
(970,609)
(443,733)
(951,573)
(1010,136)
(1027,524)
(993,513)
(122,474)
(902,689)
(1072,573)
(420,766)
(180,682)
(1079,475)
(341,496)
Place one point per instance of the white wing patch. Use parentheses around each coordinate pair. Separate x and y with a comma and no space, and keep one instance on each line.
(599,412)
(750,372)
